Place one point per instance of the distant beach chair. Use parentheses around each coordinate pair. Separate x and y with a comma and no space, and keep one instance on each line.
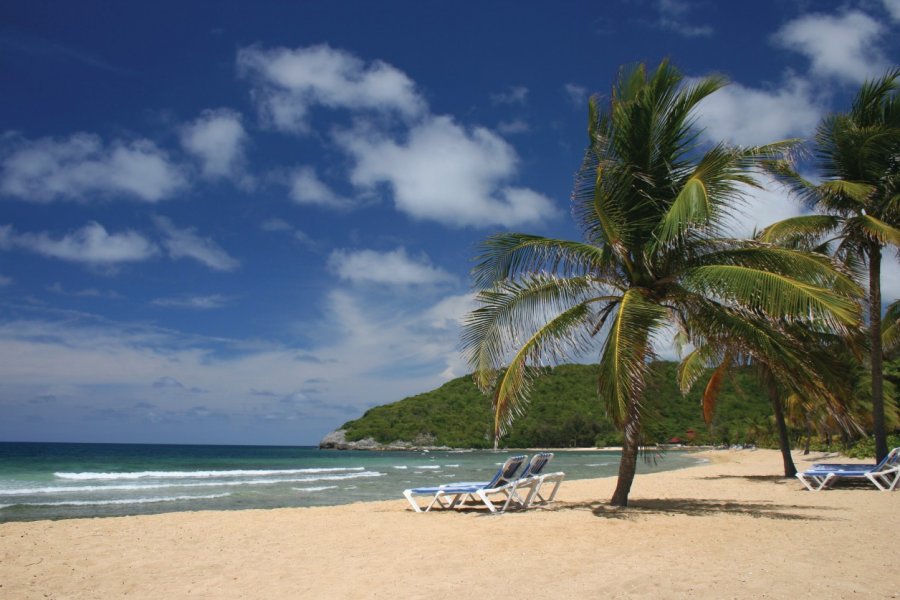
(885,475)
(452,494)
(533,478)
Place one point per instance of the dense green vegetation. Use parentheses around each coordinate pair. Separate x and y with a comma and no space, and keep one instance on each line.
(565,411)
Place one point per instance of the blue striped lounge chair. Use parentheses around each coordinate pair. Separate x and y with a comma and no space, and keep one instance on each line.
(452,494)
(885,475)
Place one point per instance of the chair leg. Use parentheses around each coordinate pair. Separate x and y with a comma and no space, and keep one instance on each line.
(486,501)
(408,495)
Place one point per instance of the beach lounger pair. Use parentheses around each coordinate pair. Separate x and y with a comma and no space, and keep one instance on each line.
(885,475)
(510,482)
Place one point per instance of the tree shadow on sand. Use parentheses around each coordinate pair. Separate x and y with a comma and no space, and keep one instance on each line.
(694,507)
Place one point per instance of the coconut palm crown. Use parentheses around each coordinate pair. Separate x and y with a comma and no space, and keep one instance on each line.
(653,206)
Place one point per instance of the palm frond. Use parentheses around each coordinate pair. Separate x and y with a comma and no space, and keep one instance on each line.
(806,230)
(878,230)
(512,309)
(711,393)
(507,256)
(780,296)
(626,351)
(694,366)
(807,267)
(550,343)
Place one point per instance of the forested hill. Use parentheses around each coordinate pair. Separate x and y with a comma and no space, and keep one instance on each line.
(564,411)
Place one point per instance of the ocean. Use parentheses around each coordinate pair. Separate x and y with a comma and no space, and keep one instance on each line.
(61,481)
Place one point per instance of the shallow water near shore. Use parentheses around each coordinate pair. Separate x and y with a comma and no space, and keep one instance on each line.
(57,481)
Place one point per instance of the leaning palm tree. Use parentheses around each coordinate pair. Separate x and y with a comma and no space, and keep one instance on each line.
(653,208)
(858,153)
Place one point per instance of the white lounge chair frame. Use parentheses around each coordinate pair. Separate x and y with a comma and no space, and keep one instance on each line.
(885,475)
(451,495)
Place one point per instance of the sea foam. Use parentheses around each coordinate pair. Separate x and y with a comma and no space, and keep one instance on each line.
(199,474)
(113,502)
(60,489)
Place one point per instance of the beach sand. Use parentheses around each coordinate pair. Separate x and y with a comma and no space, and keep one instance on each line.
(727,529)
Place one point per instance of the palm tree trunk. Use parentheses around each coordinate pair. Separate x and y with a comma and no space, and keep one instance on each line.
(875,333)
(630,448)
(783,440)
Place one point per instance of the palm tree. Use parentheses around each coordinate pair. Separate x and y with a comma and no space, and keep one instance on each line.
(858,153)
(652,208)
(829,390)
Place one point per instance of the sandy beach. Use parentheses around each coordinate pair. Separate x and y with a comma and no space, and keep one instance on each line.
(730,528)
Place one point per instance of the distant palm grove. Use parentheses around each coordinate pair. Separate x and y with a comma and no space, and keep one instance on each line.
(658,266)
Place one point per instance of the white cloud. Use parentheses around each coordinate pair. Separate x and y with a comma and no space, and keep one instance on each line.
(367,349)
(185,243)
(82,166)
(449,312)
(893,8)
(217,138)
(748,116)
(4,280)
(577,94)
(287,83)
(890,277)
(91,244)
(444,173)
(394,267)
(763,207)
(513,127)
(57,288)
(673,17)
(517,94)
(275,224)
(307,188)
(193,302)
(843,46)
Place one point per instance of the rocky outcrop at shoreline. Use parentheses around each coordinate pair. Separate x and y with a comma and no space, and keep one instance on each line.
(337,440)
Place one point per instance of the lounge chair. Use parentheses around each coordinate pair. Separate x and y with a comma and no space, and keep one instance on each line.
(450,495)
(885,475)
(533,478)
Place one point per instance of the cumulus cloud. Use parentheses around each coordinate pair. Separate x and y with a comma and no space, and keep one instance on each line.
(82,166)
(217,139)
(185,243)
(307,188)
(763,207)
(366,349)
(449,312)
(443,172)
(749,116)
(288,82)
(673,16)
(193,302)
(394,267)
(513,127)
(843,47)
(577,94)
(275,224)
(91,244)
(517,94)
(893,8)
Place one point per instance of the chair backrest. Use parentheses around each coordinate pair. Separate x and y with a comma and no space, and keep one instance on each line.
(890,461)
(508,471)
(538,463)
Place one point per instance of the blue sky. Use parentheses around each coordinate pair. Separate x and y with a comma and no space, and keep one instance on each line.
(235,222)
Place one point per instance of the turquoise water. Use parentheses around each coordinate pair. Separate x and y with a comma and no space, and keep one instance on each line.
(58,481)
